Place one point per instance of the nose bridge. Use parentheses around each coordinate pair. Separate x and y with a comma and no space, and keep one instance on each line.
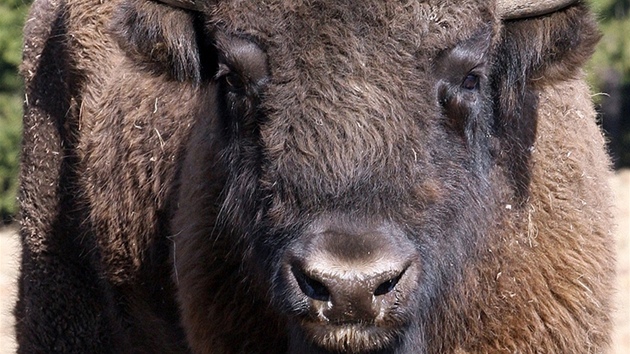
(349,254)
(354,235)
(355,249)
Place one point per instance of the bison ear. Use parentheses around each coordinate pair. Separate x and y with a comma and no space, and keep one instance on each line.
(532,53)
(160,38)
(550,47)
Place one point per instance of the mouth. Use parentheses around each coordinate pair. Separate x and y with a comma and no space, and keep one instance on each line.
(349,337)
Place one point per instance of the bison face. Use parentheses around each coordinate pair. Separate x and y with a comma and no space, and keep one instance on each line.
(357,173)
(347,164)
(355,169)
(372,192)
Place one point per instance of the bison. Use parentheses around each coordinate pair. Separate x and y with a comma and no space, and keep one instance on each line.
(312,176)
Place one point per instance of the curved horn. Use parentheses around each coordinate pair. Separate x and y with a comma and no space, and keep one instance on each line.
(182,4)
(514,9)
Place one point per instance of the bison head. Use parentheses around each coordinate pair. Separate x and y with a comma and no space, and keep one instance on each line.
(350,162)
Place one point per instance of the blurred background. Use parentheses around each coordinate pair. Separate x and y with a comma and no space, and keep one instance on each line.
(12,14)
(608,74)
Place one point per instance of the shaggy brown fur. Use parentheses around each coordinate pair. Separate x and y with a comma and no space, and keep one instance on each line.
(172,157)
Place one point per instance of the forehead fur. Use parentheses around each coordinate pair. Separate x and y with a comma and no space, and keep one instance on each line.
(359,42)
(352,94)
(421,24)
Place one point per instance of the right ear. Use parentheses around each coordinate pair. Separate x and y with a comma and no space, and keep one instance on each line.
(160,38)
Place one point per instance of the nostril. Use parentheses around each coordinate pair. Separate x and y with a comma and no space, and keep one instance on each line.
(311,287)
(387,286)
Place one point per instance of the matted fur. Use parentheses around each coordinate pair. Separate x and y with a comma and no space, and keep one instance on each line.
(170,159)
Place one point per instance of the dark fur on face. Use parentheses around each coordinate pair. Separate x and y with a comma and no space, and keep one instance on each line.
(268,152)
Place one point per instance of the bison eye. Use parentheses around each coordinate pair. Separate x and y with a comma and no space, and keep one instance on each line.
(231,78)
(234,81)
(242,64)
(471,82)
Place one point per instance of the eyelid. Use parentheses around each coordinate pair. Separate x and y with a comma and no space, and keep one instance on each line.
(475,81)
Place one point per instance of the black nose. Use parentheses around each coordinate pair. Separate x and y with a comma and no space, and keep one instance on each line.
(348,295)
(351,276)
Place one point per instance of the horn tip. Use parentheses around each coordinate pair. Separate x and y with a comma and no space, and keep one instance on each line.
(515,9)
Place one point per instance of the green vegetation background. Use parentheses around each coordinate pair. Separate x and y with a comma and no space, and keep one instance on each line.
(612,59)
(12,15)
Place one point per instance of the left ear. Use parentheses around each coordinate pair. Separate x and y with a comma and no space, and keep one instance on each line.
(159,38)
(550,47)
(532,53)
